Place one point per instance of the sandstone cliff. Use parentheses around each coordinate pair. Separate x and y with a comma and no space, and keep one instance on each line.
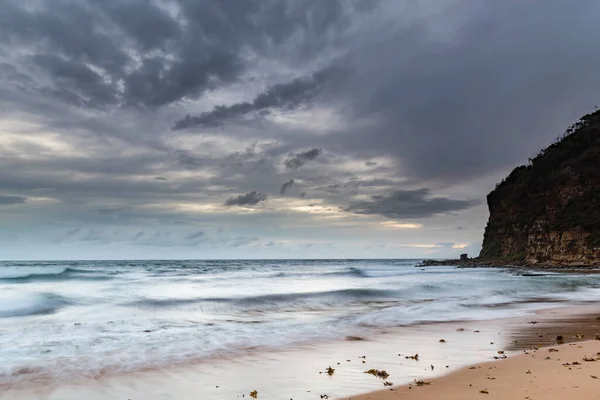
(548,211)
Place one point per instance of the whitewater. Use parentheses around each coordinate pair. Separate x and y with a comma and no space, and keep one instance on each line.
(80,319)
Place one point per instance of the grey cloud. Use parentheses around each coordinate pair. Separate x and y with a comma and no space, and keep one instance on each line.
(6,200)
(143,21)
(241,241)
(286,186)
(151,54)
(248,199)
(355,183)
(138,235)
(157,83)
(160,178)
(75,81)
(408,204)
(279,97)
(97,235)
(187,159)
(297,160)
(440,97)
(450,108)
(195,235)
(73,232)
(161,238)
(155,238)
(112,210)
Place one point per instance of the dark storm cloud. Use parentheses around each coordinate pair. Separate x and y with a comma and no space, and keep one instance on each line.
(479,95)
(149,53)
(299,159)
(444,95)
(279,97)
(408,204)
(75,80)
(6,200)
(143,21)
(248,199)
(286,186)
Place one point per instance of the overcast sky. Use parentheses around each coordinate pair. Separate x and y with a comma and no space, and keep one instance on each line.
(276,129)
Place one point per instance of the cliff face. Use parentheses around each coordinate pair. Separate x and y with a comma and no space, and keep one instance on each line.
(548,211)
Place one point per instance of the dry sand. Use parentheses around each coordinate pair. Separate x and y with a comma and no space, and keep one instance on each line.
(543,370)
(535,375)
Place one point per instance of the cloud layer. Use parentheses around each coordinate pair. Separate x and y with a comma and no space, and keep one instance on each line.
(248,199)
(142,117)
(408,204)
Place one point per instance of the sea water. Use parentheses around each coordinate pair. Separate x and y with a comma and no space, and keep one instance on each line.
(75,320)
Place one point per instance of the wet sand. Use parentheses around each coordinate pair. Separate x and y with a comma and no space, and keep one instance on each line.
(543,370)
(557,372)
(301,372)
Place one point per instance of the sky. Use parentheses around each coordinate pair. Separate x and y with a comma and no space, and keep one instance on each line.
(178,129)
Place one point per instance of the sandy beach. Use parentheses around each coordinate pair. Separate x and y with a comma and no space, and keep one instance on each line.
(544,369)
(557,372)
(509,358)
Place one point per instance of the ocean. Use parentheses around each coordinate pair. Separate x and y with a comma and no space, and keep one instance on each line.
(82,319)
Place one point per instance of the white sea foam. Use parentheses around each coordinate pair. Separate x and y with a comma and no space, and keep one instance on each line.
(56,319)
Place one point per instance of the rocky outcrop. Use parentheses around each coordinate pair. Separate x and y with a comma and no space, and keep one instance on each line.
(548,211)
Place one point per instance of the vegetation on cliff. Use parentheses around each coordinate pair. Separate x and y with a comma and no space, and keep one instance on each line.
(557,192)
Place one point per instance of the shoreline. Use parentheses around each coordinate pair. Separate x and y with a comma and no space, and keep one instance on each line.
(553,372)
(543,367)
(300,373)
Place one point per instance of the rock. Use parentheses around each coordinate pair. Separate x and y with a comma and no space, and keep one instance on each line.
(547,212)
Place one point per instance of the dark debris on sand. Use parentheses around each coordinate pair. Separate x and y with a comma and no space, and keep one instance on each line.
(380,374)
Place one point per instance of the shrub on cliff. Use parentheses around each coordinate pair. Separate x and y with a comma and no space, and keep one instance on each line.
(558,189)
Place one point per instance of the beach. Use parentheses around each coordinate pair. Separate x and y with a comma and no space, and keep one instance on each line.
(556,362)
(218,330)
(494,356)
(557,372)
